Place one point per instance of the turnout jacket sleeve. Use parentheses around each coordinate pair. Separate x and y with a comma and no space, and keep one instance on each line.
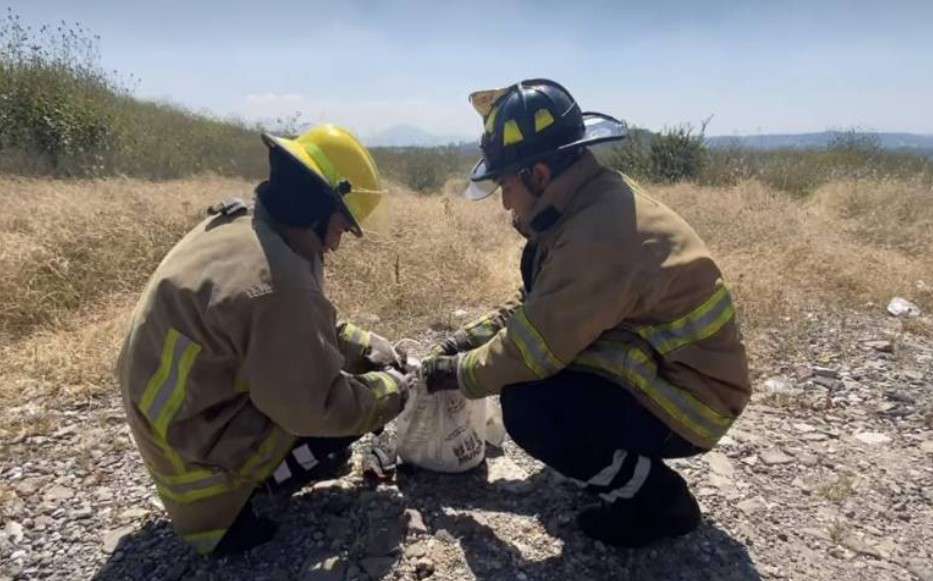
(481,330)
(293,367)
(354,344)
(584,287)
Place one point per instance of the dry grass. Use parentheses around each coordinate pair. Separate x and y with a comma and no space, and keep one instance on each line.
(851,244)
(73,256)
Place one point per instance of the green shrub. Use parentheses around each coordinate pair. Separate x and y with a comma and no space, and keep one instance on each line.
(425,169)
(61,114)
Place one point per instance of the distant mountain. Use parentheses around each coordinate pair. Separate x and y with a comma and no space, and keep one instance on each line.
(411,136)
(819,140)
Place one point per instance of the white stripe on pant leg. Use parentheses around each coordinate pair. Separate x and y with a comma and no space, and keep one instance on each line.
(282,473)
(631,488)
(305,457)
(605,476)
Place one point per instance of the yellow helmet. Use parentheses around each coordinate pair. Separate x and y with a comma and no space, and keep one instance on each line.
(334,155)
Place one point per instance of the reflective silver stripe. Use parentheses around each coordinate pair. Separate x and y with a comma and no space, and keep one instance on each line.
(165,392)
(704,322)
(605,476)
(629,365)
(305,457)
(631,488)
(282,473)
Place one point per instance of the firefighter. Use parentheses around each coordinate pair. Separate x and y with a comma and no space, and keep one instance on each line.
(236,376)
(622,348)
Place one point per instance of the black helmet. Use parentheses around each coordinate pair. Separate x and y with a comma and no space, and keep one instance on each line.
(529,122)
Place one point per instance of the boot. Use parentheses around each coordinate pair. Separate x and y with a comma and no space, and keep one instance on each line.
(246,532)
(662,508)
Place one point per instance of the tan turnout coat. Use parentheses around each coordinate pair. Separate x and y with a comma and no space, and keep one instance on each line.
(619,285)
(233,351)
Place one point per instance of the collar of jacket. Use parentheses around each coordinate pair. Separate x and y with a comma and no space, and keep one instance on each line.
(549,208)
(312,249)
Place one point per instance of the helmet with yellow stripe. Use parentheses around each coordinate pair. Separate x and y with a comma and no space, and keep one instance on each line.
(322,170)
(528,122)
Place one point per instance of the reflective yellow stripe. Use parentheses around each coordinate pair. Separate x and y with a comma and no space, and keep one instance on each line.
(481,331)
(536,355)
(630,365)
(205,542)
(167,388)
(161,375)
(704,321)
(467,372)
(356,338)
(511,133)
(543,120)
(188,493)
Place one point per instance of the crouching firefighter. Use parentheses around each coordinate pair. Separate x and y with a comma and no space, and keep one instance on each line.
(236,376)
(622,349)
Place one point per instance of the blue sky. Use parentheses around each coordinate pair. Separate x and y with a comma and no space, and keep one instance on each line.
(755,66)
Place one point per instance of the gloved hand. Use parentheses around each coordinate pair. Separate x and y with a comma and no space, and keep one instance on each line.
(456,343)
(381,353)
(405,382)
(440,373)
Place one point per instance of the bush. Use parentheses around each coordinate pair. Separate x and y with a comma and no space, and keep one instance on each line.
(61,114)
(425,169)
(670,156)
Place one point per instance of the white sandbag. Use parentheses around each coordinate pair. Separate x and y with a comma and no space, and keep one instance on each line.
(443,432)
(495,426)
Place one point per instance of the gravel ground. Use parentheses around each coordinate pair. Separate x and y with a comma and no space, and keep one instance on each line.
(827,475)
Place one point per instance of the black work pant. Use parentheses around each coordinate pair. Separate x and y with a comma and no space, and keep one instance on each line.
(581,424)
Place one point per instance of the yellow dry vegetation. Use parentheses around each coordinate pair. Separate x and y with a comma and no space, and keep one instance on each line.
(74,255)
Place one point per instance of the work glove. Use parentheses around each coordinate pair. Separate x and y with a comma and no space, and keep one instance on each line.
(440,373)
(456,343)
(381,354)
(405,382)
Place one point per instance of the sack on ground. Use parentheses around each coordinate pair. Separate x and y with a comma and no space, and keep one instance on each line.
(443,432)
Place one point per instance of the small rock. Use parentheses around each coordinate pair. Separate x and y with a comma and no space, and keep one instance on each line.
(752,505)
(424,568)
(927,446)
(58,492)
(133,513)
(825,372)
(921,570)
(444,536)
(858,545)
(331,569)
(778,385)
(377,567)
(900,307)
(414,521)
(82,513)
(817,533)
(803,428)
(827,382)
(720,464)
(872,438)
(808,459)
(460,314)
(880,346)
(112,538)
(775,456)
(415,550)
(14,531)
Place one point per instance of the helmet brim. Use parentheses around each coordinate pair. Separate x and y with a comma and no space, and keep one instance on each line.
(597,128)
(292,150)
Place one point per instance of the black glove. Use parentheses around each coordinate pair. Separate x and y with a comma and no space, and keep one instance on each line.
(456,343)
(440,373)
